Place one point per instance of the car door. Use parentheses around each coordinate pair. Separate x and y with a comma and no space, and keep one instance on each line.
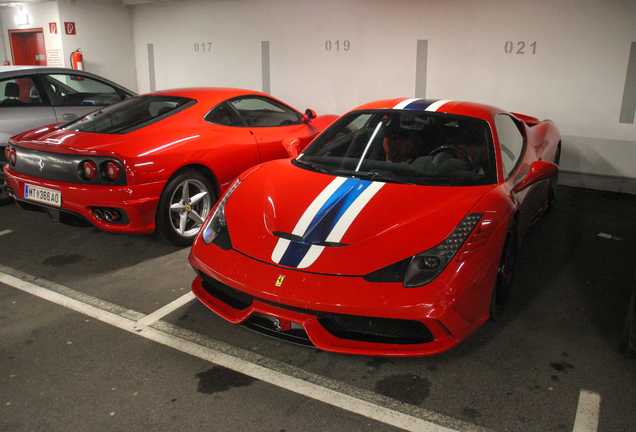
(24,106)
(516,158)
(235,146)
(271,122)
(75,95)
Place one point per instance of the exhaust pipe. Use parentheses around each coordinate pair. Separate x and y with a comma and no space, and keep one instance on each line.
(111,215)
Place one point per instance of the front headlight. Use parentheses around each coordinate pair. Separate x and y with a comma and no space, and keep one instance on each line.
(215,229)
(426,266)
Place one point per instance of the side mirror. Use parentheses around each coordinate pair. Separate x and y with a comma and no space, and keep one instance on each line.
(292,145)
(309,115)
(539,170)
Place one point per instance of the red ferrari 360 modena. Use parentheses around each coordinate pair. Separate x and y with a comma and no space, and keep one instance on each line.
(155,160)
(393,233)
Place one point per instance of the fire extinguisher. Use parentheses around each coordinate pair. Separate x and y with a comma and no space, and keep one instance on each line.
(77,60)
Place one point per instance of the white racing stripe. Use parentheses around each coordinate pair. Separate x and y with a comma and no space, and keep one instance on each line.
(404,103)
(312,255)
(323,389)
(315,206)
(436,105)
(343,223)
(353,211)
(307,217)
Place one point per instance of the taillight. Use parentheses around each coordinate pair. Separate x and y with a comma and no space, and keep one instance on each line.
(6,152)
(89,169)
(112,170)
(105,171)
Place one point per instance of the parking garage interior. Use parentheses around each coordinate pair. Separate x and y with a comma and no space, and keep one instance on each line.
(100,330)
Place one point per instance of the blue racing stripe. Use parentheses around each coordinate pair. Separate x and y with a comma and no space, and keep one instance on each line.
(420,104)
(294,254)
(325,220)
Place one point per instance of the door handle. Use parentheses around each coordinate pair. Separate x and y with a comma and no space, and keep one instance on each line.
(69,116)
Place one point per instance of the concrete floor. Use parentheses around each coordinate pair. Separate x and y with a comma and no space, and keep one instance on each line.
(82,346)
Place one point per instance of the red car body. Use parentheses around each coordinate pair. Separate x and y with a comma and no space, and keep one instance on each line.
(195,137)
(366,261)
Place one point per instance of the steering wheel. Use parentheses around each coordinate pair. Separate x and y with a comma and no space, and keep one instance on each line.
(463,154)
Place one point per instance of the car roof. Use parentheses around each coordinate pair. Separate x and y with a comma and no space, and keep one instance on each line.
(13,71)
(19,68)
(209,94)
(471,109)
(47,69)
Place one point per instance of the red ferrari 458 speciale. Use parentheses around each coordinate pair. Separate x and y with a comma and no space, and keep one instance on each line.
(155,160)
(393,233)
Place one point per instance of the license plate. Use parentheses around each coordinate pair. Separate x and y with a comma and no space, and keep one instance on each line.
(43,195)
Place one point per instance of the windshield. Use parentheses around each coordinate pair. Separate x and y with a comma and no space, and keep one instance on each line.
(129,115)
(405,146)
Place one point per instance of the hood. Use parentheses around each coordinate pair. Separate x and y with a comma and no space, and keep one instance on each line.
(285,215)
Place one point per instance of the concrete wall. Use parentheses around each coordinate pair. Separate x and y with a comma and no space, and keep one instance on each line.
(573,62)
(104,32)
(556,59)
(40,15)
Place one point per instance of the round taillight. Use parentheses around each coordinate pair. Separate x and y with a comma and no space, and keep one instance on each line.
(13,156)
(89,168)
(112,170)
(7,150)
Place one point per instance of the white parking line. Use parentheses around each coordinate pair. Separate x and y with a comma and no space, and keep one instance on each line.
(329,391)
(160,313)
(588,411)
(5,232)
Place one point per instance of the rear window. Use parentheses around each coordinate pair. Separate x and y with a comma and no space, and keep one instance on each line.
(19,92)
(131,114)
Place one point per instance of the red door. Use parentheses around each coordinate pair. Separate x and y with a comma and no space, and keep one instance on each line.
(27,47)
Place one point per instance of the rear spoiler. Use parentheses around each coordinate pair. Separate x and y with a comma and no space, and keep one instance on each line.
(530,121)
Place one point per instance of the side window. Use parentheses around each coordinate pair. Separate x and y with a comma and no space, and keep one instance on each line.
(19,92)
(261,112)
(224,115)
(511,142)
(76,90)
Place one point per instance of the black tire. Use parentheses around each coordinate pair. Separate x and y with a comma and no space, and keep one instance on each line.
(505,274)
(627,340)
(5,198)
(182,209)
(554,181)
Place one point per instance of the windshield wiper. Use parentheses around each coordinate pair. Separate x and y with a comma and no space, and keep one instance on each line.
(375,176)
(312,165)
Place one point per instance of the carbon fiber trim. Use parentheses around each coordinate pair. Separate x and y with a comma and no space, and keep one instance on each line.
(348,327)
(62,167)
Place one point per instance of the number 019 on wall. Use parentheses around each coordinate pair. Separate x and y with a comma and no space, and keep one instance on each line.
(337,45)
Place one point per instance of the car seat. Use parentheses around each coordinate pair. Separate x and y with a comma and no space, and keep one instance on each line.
(397,144)
(12,94)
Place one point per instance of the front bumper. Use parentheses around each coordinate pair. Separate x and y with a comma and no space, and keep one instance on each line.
(337,313)
(137,202)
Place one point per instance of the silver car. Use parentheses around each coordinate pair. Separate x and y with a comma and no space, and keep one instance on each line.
(33,96)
